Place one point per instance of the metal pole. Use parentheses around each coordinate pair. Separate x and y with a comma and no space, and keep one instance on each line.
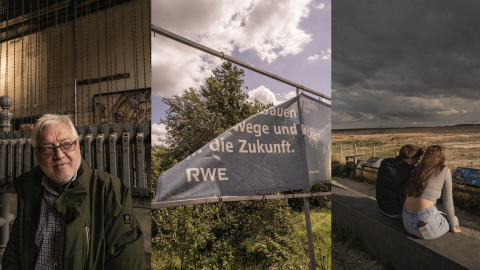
(5,125)
(75,69)
(308,223)
(311,248)
(159,205)
(5,213)
(200,47)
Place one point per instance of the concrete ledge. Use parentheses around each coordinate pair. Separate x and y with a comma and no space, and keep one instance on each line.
(388,240)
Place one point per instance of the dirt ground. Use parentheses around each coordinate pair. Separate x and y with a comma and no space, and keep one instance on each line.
(462,143)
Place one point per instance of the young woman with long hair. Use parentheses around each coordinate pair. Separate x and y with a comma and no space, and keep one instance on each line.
(420,215)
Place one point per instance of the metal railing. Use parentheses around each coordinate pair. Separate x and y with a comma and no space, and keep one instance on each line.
(156,205)
(221,55)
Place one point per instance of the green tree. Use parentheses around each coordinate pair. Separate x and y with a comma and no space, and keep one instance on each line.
(198,116)
(219,235)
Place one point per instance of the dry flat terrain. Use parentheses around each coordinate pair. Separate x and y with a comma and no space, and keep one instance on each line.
(462,143)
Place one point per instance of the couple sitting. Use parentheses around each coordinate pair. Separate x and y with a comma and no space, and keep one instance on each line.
(409,192)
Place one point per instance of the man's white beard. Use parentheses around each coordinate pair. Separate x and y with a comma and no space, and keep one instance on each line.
(57,179)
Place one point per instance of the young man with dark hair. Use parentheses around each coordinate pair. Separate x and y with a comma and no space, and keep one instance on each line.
(392,179)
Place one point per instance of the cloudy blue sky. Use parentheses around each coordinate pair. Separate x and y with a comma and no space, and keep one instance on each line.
(405,63)
(289,38)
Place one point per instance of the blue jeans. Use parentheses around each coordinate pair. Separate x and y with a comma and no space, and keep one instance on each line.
(426,224)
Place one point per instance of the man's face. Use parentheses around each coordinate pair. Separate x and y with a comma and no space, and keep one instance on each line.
(60,166)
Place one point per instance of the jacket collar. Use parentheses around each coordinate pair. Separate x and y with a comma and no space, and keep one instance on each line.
(70,203)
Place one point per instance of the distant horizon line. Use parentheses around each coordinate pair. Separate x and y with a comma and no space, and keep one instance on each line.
(381,127)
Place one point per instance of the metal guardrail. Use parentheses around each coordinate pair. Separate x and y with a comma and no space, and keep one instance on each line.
(120,149)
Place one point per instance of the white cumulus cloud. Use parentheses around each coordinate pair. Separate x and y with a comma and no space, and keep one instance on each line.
(325,5)
(290,95)
(176,68)
(313,58)
(158,132)
(267,28)
(263,95)
(324,55)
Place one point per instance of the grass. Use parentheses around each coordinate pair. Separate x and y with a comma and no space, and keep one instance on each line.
(354,241)
(321,231)
(468,202)
(368,143)
(347,237)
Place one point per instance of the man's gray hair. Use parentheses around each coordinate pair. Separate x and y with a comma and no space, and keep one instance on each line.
(49,121)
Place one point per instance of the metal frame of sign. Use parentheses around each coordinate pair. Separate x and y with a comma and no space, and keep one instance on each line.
(238,198)
(298,87)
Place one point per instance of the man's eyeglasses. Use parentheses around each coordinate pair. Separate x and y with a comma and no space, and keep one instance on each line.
(50,150)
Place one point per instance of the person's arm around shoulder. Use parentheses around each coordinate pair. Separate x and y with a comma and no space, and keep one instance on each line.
(448,200)
(124,237)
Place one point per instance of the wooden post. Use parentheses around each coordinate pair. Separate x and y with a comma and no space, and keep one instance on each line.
(363,175)
(341,152)
(374,154)
(355,159)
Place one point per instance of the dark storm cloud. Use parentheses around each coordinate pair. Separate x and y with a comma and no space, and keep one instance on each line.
(401,62)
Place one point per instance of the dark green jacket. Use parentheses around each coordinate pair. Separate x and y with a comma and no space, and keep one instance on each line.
(101,229)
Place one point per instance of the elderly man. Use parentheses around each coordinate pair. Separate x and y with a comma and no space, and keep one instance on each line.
(392,179)
(71,216)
